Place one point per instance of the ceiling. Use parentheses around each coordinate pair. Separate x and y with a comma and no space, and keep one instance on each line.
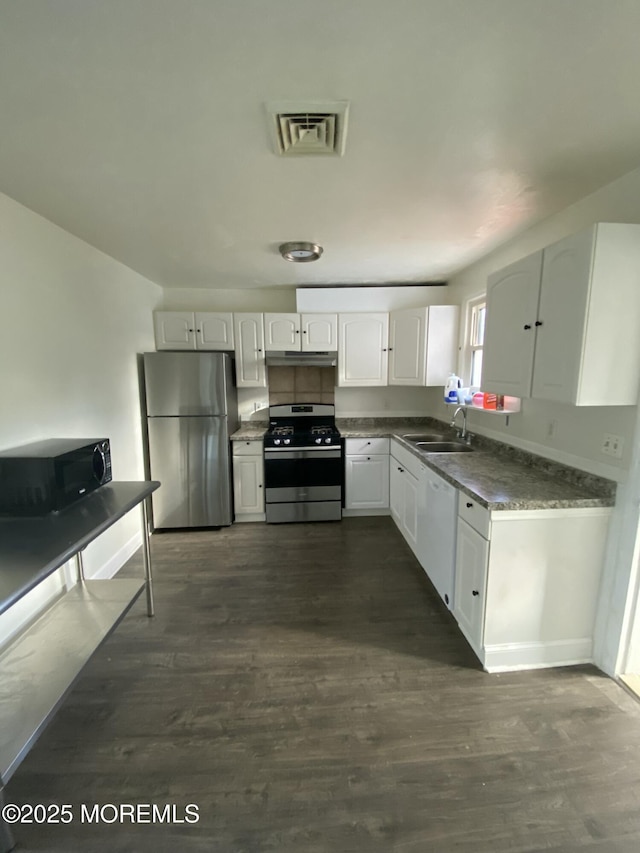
(140,126)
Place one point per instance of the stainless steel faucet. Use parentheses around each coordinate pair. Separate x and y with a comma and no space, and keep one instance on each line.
(462,433)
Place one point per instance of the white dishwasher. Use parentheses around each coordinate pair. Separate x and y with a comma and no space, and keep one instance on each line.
(438,512)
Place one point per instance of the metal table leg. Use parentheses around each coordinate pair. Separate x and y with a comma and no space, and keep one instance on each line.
(80,567)
(146,553)
(6,838)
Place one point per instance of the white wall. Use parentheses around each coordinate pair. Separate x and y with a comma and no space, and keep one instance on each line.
(578,431)
(71,323)
(345,299)
(220,299)
(390,402)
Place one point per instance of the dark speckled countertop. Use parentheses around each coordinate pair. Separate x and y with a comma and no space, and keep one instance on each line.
(496,475)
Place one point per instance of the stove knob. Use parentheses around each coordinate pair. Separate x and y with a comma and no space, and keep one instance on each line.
(287,441)
(276,441)
(327,441)
(318,441)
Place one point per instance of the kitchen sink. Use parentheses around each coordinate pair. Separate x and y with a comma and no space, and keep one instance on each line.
(443,447)
(415,438)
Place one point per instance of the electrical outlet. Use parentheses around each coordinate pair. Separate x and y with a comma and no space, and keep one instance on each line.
(616,446)
(552,426)
(612,445)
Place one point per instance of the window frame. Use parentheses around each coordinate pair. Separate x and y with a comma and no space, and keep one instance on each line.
(472,308)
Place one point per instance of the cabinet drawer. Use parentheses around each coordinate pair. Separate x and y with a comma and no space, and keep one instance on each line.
(477,516)
(361,446)
(406,458)
(247,448)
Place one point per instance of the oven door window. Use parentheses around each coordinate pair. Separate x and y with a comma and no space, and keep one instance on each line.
(297,471)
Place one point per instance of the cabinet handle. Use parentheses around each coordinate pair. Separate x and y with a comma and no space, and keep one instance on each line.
(304,332)
(260,486)
(527,326)
(538,322)
(368,459)
(384,349)
(401,470)
(297,331)
(390,349)
(368,442)
(259,350)
(247,442)
(469,505)
(474,592)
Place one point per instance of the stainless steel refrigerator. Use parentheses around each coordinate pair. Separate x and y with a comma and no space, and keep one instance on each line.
(192,409)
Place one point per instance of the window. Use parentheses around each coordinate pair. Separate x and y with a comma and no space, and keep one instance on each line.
(477,312)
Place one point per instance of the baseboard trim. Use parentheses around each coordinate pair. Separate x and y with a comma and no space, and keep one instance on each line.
(356,513)
(117,560)
(514,656)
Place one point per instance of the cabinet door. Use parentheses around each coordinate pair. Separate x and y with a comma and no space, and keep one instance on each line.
(248,484)
(174,330)
(362,349)
(564,292)
(319,332)
(410,517)
(472,554)
(396,491)
(214,331)
(367,482)
(407,346)
(282,331)
(509,342)
(249,340)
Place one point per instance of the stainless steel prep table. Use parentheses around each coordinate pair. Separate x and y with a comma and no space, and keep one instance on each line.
(38,669)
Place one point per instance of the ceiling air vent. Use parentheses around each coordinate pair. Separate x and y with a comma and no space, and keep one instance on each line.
(309,128)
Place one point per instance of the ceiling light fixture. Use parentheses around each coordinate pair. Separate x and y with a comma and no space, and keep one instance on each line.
(300,253)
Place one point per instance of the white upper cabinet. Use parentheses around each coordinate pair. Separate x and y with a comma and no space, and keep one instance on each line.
(203,330)
(423,345)
(363,349)
(319,332)
(282,331)
(214,331)
(250,357)
(306,332)
(563,324)
(510,333)
(175,329)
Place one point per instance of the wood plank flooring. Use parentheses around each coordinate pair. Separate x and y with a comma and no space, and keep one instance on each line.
(306,689)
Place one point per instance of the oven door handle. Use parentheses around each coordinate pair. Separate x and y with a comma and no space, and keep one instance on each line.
(303,453)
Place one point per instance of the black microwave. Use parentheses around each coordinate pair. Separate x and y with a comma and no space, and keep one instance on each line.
(47,476)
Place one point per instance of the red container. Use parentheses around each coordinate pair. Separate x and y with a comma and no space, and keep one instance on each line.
(490,401)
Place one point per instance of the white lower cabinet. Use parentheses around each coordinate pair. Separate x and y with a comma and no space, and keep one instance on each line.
(527,584)
(472,552)
(366,476)
(248,480)
(404,478)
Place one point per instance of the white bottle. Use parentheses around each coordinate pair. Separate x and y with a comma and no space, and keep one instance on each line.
(451,389)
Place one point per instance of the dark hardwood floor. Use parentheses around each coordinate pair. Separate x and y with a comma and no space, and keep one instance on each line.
(306,689)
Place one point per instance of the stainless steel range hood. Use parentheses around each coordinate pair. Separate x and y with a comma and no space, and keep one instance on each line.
(291,358)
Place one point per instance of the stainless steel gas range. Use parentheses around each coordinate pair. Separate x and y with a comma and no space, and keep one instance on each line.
(303,464)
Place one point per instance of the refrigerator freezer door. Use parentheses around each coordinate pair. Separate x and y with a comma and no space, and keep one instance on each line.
(191,458)
(187,383)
